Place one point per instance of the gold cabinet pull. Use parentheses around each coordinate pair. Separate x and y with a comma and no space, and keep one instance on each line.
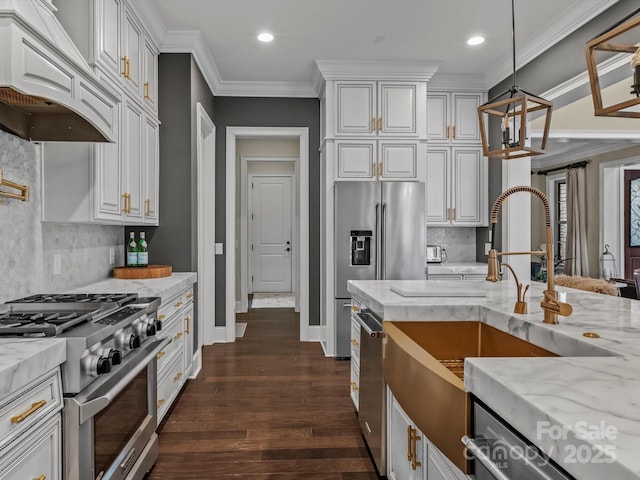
(41,477)
(177,377)
(375,169)
(127,202)
(380,170)
(454,214)
(379,124)
(354,342)
(414,439)
(160,402)
(124,66)
(161,317)
(177,336)
(177,304)
(124,198)
(454,131)
(147,209)
(128,68)
(354,386)
(34,408)
(146,91)
(160,355)
(373,124)
(409,450)
(186,321)
(189,295)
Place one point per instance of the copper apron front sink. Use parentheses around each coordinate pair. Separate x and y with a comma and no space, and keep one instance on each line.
(424,367)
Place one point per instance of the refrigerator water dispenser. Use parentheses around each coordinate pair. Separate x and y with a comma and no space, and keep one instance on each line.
(360,247)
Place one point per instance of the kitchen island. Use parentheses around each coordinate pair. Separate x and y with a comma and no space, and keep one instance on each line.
(580,408)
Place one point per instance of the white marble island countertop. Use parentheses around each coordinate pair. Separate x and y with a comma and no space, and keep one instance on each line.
(22,360)
(582,408)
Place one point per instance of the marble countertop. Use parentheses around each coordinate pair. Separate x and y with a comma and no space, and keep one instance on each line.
(165,287)
(22,360)
(457,268)
(580,408)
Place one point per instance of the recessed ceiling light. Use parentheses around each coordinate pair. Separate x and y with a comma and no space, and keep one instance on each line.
(265,37)
(475,40)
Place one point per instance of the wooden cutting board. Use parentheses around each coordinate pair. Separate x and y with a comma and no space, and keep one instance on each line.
(150,271)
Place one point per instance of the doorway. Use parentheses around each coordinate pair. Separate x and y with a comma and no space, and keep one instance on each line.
(300,231)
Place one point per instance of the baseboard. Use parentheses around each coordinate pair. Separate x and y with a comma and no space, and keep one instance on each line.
(197,364)
(315,333)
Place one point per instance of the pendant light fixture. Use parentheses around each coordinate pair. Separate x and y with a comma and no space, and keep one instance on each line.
(514,109)
(622,38)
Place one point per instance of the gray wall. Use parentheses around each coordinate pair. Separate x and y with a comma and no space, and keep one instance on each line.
(561,62)
(270,112)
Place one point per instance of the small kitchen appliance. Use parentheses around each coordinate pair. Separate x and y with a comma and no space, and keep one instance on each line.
(108,378)
(436,254)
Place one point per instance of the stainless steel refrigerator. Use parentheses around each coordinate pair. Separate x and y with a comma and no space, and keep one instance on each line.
(379,235)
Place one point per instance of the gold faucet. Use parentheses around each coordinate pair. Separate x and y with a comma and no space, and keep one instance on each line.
(550,304)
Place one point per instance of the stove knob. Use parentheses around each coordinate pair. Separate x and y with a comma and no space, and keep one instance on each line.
(134,341)
(103,366)
(115,356)
(125,341)
(151,329)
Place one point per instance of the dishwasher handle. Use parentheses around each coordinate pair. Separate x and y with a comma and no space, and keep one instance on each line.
(370,323)
(482,457)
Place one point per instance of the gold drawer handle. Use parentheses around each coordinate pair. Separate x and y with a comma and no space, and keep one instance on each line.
(186,321)
(147,210)
(189,295)
(177,304)
(160,355)
(354,342)
(34,408)
(354,308)
(409,437)
(414,439)
(146,91)
(379,124)
(177,377)
(160,402)
(161,317)
(178,335)
(354,386)
(41,477)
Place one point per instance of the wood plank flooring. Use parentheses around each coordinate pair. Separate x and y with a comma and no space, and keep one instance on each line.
(267,407)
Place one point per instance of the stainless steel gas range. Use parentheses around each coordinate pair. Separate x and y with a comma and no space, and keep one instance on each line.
(108,377)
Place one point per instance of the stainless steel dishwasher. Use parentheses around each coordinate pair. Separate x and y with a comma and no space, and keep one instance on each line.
(499,453)
(373,405)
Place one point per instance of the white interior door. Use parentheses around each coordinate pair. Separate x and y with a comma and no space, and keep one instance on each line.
(271,239)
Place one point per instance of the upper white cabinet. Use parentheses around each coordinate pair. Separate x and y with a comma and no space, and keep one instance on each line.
(378,159)
(457,187)
(452,117)
(382,109)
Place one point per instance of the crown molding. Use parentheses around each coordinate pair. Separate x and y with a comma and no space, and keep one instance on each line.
(266,89)
(573,18)
(458,82)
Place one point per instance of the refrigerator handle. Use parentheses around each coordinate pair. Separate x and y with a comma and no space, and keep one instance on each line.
(383,253)
(377,259)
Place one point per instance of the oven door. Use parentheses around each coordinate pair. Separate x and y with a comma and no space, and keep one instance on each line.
(108,425)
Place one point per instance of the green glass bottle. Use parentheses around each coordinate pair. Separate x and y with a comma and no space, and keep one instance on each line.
(132,251)
(143,255)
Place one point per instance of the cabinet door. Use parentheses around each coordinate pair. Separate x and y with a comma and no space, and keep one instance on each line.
(397,109)
(438,117)
(107,46)
(132,143)
(150,76)
(187,324)
(399,465)
(108,202)
(465,121)
(469,180)
(437,195)
(356,159)
(151,171)
(356,108)
(132,49)
(397,160)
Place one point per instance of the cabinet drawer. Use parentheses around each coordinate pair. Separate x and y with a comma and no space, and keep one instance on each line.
(21,410)
(37,455)
(173,330)
(187,296)
(354,387)
(170,383)
(355,341)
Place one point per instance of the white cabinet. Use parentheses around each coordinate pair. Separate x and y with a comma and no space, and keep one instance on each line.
(355,362)
(457,187)
(31,430)
(174,363)
(383,108)
(475,277)
(378,159)
(452,117)
(405,451)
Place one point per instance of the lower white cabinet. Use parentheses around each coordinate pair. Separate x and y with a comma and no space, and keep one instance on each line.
(31,430)
(174,363)
(410,455)
(355,363)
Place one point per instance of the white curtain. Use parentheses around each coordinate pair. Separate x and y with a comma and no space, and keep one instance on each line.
(577,263)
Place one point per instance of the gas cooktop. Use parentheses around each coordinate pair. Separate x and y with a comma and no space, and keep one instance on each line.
(118,298)
(36,322)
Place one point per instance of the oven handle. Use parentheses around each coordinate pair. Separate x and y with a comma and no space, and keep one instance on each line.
(94,399)
(483,458)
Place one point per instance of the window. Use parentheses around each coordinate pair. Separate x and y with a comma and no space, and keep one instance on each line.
(560,223)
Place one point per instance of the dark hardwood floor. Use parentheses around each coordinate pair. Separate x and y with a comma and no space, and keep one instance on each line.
(265,407)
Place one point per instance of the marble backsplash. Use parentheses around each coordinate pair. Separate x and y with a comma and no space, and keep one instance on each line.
(459,242)
(28,245)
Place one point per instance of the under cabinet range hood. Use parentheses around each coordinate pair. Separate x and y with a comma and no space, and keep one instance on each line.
(47,89)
